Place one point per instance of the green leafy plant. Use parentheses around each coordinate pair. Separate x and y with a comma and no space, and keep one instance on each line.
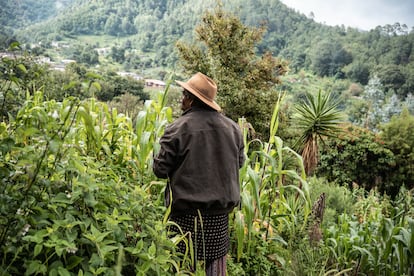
(72,199)
(275,202)
(373,243)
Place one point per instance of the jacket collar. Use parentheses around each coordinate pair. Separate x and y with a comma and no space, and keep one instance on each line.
(195,109)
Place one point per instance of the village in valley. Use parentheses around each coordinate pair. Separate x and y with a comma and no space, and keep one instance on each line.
(61,64)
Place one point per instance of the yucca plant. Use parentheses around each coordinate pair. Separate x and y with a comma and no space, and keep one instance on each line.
(317,118)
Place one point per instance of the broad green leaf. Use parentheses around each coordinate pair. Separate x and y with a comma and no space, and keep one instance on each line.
(152,249)
(35,267)
(38,248)
(22,68)
(63,271)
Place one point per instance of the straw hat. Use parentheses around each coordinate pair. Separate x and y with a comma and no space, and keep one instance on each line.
(203,87)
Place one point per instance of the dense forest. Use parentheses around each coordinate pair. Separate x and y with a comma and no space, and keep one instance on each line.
(326,112)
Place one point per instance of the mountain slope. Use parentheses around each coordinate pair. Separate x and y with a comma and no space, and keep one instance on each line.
(153,27)
(158,24)
(22,13)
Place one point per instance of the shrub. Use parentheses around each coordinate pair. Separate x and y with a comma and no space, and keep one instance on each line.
(338,199)
(358,157)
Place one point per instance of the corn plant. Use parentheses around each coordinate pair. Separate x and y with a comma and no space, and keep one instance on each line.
(275,196)
(372,244)
(149,127)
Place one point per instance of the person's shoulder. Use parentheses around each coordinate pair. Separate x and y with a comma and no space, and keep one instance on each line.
(222,115)
(228,120)
(180,122)
(177,122)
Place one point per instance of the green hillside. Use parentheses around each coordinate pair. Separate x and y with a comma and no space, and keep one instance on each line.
(15,15)
(141,36)
(155,26)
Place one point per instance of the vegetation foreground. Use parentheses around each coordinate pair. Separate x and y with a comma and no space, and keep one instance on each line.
(78,197)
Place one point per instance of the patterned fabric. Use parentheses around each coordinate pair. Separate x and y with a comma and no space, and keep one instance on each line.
(212,234)
(216,267)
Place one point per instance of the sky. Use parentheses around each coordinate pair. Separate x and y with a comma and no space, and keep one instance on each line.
(362,14)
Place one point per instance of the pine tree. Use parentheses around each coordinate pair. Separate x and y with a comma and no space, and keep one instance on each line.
(226,52)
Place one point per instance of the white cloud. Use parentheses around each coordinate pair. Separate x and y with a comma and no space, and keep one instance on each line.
(364,14)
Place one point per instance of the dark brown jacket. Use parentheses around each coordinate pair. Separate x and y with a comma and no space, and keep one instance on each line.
(201,154)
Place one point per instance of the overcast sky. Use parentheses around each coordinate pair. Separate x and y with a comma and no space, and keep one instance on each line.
(363,14)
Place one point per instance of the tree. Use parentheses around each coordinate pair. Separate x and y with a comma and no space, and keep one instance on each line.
(392,107)
(115,86)
(375,97)
(358,71)
(409,103)
(89,56)
(321,59)
(113,25)
(318,118)
(118,54)
(398,136)
(392,78)
(329,58)
(226,52)
(357,156)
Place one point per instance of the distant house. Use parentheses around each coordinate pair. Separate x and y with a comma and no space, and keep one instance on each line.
(57,67)
(103,51)
(154,83)
(68,61)
(131,75)
(10,55)
(58,44)
(43,60)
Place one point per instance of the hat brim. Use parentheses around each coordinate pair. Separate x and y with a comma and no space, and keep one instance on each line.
(210,103)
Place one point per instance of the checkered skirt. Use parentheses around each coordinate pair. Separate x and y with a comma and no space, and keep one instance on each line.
(212,232)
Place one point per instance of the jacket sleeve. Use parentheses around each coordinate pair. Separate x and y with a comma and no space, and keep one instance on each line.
(164,161)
